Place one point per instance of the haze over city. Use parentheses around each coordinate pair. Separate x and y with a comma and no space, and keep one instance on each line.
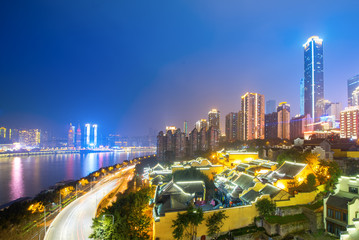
(130,66)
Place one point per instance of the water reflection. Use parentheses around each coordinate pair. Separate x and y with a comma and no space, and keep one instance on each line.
(28,175)
(17,183)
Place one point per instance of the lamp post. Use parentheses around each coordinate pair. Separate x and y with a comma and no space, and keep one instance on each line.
(45,214)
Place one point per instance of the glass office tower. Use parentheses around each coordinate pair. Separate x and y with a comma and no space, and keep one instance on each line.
(313,77)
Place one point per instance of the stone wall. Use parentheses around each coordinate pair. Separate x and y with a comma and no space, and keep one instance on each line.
(315,218)
(285,229)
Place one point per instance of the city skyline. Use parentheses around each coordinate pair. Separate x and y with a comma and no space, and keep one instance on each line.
(214,65)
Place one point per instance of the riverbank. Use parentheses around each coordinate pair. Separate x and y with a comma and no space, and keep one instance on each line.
(17,221)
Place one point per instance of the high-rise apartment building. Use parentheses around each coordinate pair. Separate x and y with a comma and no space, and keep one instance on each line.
(313,77)
(201,124)
(252,119)
(271,106)
(349,120)
(271,125)
(283,111)
(213,119)
(300,124)
(353,91)
(231,126)
(2,132)
(30,137)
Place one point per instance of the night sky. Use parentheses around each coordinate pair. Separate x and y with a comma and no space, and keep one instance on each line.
(134,65)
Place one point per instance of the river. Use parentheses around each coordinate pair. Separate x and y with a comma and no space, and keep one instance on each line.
(26,176)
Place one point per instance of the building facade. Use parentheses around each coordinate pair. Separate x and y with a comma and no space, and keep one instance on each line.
(353,91)
(30,137)
(271,125)
(283,111)
(71,136)
(271,106)
(313,77)
(349,120)
(231,126)
(214,119)
(299,125)
(252,119)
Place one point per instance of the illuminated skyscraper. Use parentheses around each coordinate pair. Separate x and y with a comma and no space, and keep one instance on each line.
(94,126)
(353,91)
(78,137)
(87,134)
(231,126)
(2,132)
(271,106)
(71,137)
(313,77)
(252,119)
(91,135)
(30,137)
(213,119)
(201,124)
(185,128)
(283,111)
(301,93)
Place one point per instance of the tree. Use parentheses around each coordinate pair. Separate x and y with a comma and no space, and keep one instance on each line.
(214,224)
(131,218)
(265,207)
(102,228)
(290,155)
(328,173)
(311,182)
(185,225)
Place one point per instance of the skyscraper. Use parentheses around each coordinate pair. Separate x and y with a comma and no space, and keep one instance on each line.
(71,136)
(252,119)
(78,137)
(353,91)
(91,135)
(213,119)
(313,77)
(283,111)
(185,128)
(201,124)
(300,124)
(271,106)
(301,94)
(231,126)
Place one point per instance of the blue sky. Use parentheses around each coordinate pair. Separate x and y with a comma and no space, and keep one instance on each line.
(135,65)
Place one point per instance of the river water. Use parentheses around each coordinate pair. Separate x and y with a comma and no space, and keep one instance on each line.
(27,176)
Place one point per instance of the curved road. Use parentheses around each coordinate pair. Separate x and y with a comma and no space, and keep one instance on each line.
(75,220)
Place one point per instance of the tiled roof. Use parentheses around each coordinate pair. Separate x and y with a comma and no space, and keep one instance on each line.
(250,196)
(244,181)
(338,202)
(290,169)
(270,190)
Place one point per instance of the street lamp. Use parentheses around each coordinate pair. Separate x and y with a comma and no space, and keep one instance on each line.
(45,214)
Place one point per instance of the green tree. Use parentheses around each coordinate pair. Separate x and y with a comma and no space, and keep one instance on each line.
(292,155)
(328,173)
(265,207)
(185,225)
(214,224)
(130,218)
(102,228)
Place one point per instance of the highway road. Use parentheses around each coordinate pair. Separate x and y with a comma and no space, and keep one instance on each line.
(75,220)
